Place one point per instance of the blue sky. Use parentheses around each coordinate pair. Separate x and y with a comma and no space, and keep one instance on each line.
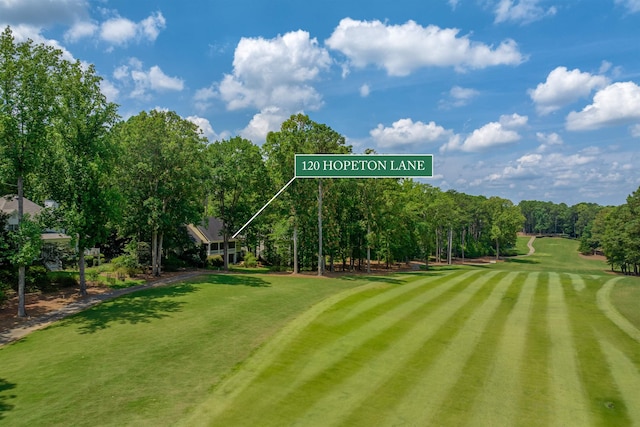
(522,99)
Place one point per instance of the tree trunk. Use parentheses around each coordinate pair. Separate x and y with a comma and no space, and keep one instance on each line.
(450,246)
(295,249)
(225,249)
(320,256)
(159,258)
(81,268)
(21,268)
(368,248)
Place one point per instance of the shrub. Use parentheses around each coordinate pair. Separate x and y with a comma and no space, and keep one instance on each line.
(126,264)
(250,260)
(215,261)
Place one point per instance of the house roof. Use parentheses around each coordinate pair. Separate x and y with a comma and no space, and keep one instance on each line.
(9,205)
(210,231)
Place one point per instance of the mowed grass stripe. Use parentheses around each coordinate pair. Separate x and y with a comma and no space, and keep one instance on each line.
(577,281)
(370,304)
(398,306)
(627,378)
(281,399)
(497,403)
(604,303)
(422,402)
(569,398)
(337,408)
(335,339)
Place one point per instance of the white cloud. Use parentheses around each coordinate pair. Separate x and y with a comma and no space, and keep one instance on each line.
(274,72)
(523,11)
(618,103)
(120,31)
(21,33)
(547,140)
(80,30)
(563,87)
(109,90)
(207,130)
(144,80)
(632,5)
(406,132)
(42,13)
(491,135)
(268,120)
(365,90)
(401,49)
(458,97)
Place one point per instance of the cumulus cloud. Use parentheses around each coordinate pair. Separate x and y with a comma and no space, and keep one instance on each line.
(458,97)
(268,120)
(547,140)
(207,130)
(154,79)
(40,13)
(80,30)
(120,31)
(563,87)
(23,32)
(491,135)
(522,11)
(401,49)
(616,104)
(406,132)
(109,90)
(631,5)
(275,72)
(365,90)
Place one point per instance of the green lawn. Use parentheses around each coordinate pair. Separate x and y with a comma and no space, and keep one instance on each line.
(541,340)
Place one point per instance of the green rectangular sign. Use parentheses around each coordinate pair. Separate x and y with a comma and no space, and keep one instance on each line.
(364,166)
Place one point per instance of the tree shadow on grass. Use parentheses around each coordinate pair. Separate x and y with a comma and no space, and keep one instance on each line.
(139,307)
(5,406)
(381,279)
(233,280)
(522,261)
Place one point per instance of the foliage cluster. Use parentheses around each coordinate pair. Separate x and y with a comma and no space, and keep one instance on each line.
(616,232)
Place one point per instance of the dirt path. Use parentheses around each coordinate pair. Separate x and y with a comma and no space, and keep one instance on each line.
(532,250)
(19,328)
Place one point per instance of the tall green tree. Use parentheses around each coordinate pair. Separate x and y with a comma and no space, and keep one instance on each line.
(160,176)
(237,184)
(82,157)
(506,221)
(27,100)
(299,135)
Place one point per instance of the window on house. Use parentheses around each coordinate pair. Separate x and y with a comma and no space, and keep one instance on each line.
(214,246)
(232,245)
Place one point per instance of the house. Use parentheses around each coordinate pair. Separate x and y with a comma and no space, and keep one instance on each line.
(210,234)
(9,207)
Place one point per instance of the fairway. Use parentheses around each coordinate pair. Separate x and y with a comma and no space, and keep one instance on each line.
(539,340)
(457,347)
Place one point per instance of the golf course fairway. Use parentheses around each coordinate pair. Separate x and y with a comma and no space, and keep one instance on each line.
(484,347)
(547,339)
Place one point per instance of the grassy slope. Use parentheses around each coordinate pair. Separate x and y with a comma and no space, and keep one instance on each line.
(516,342)
(524,343)
(145,358)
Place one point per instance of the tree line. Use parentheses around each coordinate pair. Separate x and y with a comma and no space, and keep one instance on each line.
(122,185)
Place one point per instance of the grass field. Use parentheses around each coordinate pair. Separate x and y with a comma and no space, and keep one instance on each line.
(550,339)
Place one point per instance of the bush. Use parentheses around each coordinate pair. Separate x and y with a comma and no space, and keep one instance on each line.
(250,260)
(215,261)
(127,264)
